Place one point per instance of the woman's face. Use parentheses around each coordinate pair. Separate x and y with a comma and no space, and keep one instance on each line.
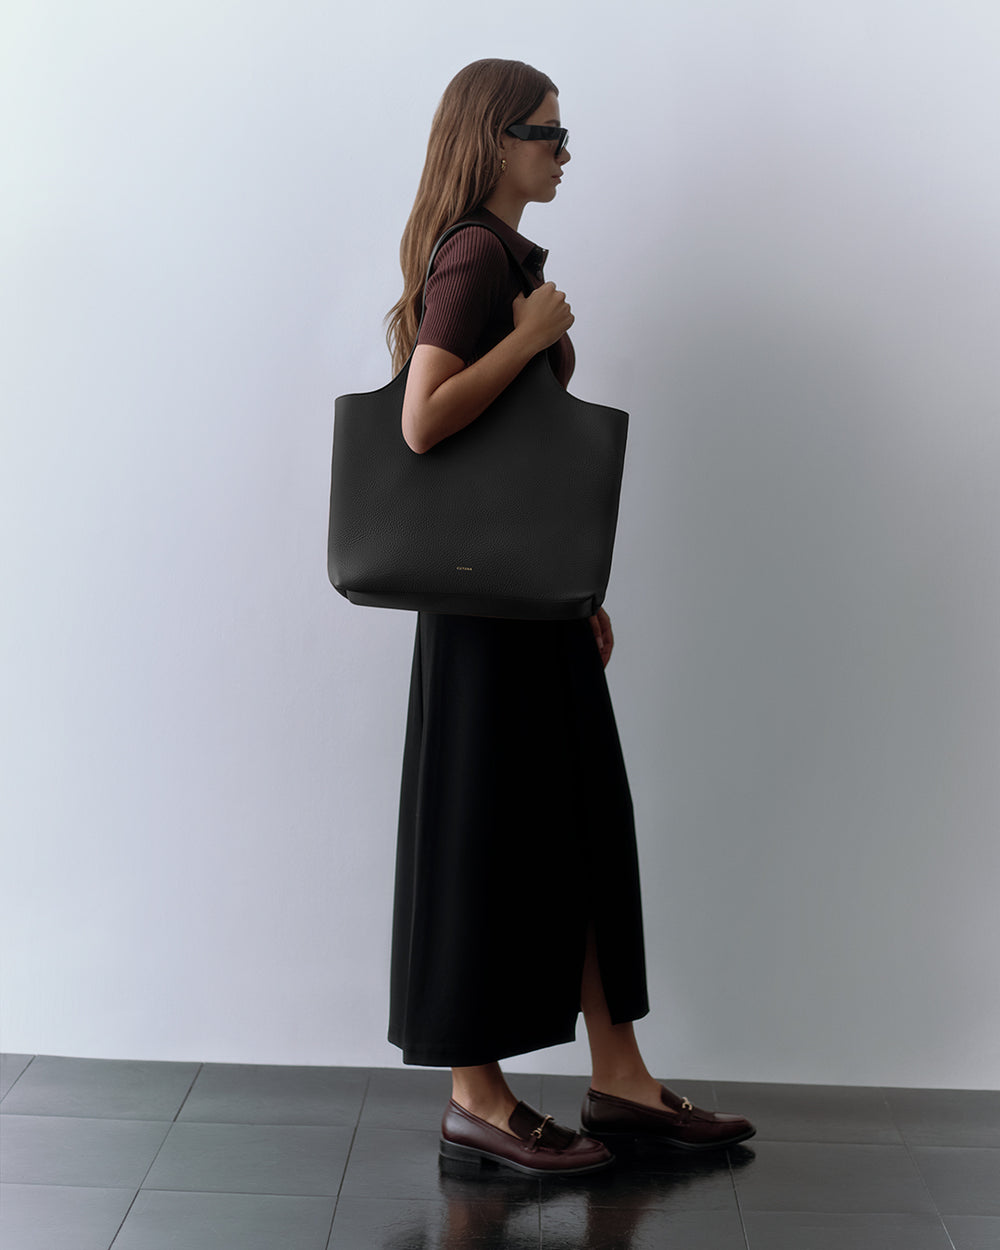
(533,170)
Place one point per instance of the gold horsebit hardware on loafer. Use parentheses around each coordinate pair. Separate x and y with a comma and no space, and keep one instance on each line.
(686,1106)
(536,1133)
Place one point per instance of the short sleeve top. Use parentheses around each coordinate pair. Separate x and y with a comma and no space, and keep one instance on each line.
(471,289)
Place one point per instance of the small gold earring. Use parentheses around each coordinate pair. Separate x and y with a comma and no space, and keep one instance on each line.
(503,166)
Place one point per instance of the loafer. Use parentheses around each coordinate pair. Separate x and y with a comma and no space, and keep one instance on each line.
(540,1147)
(618,1122)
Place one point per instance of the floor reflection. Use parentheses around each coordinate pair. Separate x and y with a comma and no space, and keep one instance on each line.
(608,1209)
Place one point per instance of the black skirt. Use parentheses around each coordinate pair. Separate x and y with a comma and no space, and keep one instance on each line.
(515,834)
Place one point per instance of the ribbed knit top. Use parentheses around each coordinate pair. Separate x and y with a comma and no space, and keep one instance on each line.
(472,287)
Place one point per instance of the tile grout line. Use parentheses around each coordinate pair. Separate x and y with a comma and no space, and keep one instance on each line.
(915,1165)
(138,1191)
(732,1177)
(201,1068)
(347,1160)
(739,1202)
(14,1083)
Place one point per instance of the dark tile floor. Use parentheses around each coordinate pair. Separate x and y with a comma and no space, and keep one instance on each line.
(185,1156)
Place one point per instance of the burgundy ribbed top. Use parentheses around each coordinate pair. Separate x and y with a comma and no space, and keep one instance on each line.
(471,289)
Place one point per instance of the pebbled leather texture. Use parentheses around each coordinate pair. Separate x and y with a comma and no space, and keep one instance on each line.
(683,1125)
(541,1145)
(513,516)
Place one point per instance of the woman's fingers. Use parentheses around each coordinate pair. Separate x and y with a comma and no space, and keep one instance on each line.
(545,314)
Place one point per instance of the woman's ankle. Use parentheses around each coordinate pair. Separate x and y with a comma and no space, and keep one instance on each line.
(484,1092)
(634,1087)
(494,1110)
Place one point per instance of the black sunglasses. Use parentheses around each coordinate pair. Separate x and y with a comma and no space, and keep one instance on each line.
(541,132)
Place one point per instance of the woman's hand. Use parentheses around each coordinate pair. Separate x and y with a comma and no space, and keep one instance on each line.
(605,639)
(543,317)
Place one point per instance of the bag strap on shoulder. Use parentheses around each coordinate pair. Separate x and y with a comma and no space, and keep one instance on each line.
(522,273)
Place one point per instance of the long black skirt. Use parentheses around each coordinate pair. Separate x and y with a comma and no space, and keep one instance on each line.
(515,834)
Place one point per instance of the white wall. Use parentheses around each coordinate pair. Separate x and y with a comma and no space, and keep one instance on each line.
(781,236)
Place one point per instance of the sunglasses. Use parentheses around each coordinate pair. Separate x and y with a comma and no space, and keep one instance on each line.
(541,132)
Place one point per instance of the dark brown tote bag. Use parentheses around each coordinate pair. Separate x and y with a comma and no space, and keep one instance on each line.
(513,516)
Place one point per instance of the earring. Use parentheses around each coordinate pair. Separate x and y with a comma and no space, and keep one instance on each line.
(503,166)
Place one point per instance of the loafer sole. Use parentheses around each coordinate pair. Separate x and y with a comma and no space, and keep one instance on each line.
(616,1142)
(475,1157)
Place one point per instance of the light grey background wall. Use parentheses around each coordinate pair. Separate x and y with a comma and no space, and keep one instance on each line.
(780,232)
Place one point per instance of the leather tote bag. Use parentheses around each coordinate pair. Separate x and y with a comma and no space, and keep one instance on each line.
(512,516)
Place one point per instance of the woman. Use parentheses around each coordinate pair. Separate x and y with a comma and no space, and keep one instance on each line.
(517,887)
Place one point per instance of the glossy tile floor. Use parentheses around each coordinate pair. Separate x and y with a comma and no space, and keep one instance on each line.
(183,1156)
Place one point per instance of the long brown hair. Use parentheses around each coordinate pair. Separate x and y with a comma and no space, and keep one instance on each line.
(461,169)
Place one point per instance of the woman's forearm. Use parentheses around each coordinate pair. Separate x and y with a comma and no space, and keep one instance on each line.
(438,405)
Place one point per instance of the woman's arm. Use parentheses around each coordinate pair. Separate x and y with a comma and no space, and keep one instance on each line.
(443,394)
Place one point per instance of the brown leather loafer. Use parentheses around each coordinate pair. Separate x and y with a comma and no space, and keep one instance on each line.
(617,1122)
(540,1148)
